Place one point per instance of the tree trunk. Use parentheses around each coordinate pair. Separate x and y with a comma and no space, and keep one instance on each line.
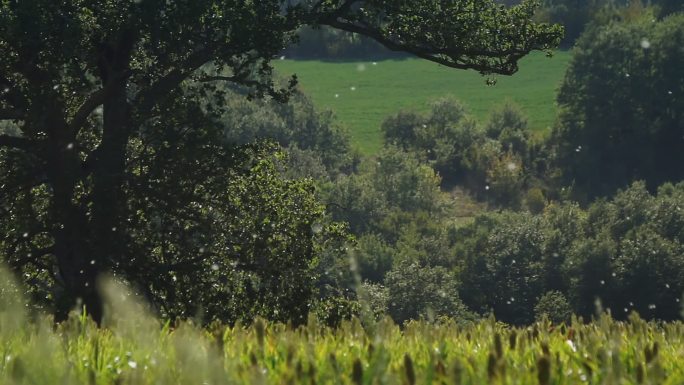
(86,246)
(71,239)
(93,239)
(108,222)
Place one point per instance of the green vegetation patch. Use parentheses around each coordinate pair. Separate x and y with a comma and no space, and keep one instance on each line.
(363,94)
(606,352)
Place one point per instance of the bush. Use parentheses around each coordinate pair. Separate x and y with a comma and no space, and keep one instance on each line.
(296,125)
(395,181)
(492,162)
(374,257)
(376,296)
(554,307)
(535,200)
(333,310)
(423,292)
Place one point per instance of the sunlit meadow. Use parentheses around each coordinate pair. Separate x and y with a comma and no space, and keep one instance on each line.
(363,94)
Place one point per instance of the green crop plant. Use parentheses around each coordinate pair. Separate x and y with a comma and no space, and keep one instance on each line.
(135,348)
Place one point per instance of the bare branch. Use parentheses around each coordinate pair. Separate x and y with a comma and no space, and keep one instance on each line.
(95,100)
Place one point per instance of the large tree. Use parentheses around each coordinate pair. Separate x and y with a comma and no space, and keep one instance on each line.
(85,84)
(622,110)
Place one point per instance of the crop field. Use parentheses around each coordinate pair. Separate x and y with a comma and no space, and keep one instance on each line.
(605,352)
(133,348)
(363,94)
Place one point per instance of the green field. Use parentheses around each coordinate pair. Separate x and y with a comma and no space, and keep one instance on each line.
(363,94)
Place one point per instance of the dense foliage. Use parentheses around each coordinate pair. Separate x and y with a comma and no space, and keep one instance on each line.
(493,161)
(578,15)
(621,103)
(625,252)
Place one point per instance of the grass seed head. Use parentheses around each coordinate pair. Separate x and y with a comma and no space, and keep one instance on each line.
(640,374)
(410,373)
(357,372)
(260,329)
(299,370)
(545,348)
(491,366)
(371,349)
(457,372)
(333,361)
(544,370)
(440,369)
(512,340)
(651,353)
(498,345)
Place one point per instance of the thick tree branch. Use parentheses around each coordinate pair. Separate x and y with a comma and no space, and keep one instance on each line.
(447,58)
(154,94)
(233,79)
(33,256)
(95,99)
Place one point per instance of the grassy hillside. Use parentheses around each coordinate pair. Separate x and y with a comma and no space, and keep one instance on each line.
(362,94)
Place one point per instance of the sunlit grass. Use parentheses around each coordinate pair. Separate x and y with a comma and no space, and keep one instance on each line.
(363,94)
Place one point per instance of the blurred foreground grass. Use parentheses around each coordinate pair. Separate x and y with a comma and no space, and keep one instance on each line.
(135,348)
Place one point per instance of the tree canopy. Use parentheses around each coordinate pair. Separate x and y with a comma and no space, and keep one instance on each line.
(621,106)
(110,111)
